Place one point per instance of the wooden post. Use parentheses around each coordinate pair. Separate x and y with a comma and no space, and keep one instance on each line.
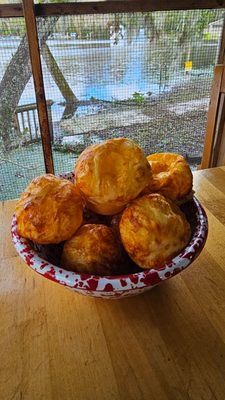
(221,49)
(32,36)
(212,117)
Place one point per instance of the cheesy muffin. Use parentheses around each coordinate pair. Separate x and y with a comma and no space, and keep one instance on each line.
(93,249)
(111,174)
(50,210)
(153,230)
(171,176)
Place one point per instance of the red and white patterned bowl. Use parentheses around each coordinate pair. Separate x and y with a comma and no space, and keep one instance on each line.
(115,287)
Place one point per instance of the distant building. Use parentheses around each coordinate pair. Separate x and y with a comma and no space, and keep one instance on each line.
(214,29)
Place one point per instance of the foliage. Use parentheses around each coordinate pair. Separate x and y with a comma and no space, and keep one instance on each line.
(180,24)
(138,98)
(184,24)
(9,27)
(207,16)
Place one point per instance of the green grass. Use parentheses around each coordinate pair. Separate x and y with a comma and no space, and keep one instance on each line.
(24,164)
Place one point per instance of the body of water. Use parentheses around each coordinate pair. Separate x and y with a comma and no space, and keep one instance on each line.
(99,69)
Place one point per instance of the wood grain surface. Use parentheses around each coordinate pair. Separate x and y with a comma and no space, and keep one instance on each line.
(168,343)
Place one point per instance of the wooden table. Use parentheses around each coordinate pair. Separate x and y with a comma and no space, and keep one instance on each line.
(168,343)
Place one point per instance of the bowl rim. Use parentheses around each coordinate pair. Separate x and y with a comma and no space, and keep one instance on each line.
(148,277)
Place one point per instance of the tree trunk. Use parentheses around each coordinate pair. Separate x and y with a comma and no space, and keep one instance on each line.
(151,29)
(16,77)
(69,110)
(57,75)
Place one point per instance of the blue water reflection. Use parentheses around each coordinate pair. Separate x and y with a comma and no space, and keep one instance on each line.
(98,69)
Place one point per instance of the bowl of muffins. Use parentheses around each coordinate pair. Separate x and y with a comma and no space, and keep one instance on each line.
(116,226)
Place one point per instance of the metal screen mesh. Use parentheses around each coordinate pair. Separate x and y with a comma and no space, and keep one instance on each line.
(21,155)
(10,1)
(146,76)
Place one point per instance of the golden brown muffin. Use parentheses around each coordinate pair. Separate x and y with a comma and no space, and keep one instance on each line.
(49,210)
(92,250)
(153,230)
(171,176)
(111,174)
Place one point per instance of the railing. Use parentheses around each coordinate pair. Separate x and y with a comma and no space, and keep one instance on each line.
(27,122)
